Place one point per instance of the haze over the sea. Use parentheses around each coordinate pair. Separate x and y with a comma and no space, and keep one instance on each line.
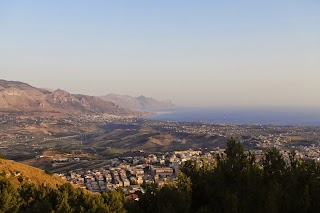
(196,53)
(309,116)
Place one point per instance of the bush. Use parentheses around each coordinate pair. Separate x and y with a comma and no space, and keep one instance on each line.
(48,172)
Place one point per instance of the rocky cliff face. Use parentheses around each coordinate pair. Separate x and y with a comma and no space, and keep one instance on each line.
(21,97)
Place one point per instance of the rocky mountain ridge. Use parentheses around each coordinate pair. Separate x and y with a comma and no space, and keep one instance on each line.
(136,103)
(21,97)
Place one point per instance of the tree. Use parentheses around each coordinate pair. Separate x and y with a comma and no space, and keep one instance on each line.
(114,200)
(274,166)
(9,197)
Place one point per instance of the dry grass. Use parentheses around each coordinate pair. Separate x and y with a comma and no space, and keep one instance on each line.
(162,140)
(15,171)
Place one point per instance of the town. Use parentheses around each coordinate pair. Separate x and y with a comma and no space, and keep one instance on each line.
(131,173)
(103,152)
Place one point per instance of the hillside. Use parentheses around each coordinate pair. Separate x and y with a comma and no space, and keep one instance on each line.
(27,189)
(19,172)
(136,103)
(21,97)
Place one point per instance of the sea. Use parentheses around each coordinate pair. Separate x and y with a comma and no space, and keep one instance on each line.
(303,116)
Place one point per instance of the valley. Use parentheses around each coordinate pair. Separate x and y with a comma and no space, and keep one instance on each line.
(51,143)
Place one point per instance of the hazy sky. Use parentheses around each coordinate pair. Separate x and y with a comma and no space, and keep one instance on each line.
(193,52)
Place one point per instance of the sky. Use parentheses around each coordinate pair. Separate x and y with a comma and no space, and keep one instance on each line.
(195,53)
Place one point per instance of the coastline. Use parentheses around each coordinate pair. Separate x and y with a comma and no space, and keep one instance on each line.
(259,116)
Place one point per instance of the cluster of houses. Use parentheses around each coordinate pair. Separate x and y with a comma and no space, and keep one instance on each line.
(132,172)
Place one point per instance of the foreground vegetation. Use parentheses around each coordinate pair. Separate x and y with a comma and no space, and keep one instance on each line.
(234,183)
(27,189)
(65,198)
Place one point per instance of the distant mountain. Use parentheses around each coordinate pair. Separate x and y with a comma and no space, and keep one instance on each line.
(21,97)
(136,103)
